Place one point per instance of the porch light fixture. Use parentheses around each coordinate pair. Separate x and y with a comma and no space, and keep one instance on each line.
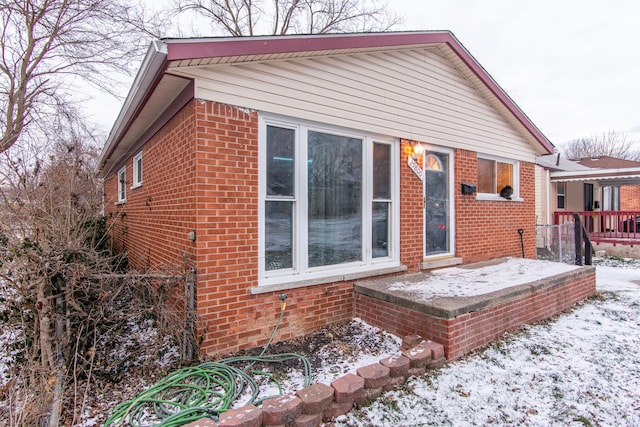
(416,150)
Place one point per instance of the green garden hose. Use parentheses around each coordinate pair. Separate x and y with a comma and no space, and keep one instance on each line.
(206,390)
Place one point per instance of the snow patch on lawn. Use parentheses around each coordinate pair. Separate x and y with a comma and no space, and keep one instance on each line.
(583,368)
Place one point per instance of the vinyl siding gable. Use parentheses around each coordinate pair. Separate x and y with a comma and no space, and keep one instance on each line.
(415,94)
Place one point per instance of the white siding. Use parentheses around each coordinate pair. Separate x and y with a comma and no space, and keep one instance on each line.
(414,94)
(541,217)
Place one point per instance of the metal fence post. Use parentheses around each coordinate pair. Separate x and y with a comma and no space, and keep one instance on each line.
(578,238)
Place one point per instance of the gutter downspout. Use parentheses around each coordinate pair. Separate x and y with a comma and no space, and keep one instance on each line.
(548,196)
(152,65)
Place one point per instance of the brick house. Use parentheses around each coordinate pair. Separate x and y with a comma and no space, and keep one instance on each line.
(300,164)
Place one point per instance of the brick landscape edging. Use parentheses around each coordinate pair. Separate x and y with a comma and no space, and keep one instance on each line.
(319,402)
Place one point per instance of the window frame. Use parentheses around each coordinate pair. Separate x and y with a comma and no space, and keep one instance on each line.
(451,194)
(610,198)
(515,179)
(301,273)
(562,195)
(122,184)
(137,171)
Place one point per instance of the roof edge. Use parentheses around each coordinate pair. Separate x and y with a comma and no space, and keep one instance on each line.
(501,94)
(161,52)
(595,172)
(153,63)
(218,47)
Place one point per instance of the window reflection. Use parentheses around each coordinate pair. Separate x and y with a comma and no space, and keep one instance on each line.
(335,199)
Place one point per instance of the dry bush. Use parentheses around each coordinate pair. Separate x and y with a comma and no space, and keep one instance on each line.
(77,315)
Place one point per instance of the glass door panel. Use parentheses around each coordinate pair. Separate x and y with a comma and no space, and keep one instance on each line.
(437,203)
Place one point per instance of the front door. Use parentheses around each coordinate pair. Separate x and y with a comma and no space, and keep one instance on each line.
(437,202)
(588,205)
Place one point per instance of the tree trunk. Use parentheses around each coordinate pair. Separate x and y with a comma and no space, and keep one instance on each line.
(50,377)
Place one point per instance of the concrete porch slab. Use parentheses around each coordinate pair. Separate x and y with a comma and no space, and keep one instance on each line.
(404,305)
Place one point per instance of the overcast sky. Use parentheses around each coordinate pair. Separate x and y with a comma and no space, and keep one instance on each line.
(573,66)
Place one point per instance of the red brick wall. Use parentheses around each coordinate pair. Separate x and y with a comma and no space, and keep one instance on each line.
(630,198)
(200,173)
(411,211)
(489,229)
(462,334)
(154,222)
(230,318)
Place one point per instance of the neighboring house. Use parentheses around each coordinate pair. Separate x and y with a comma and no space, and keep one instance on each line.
(298,164)
(589,184)
(624,194)
(604,191)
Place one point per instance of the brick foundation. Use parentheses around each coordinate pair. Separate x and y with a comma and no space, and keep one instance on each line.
(460,333)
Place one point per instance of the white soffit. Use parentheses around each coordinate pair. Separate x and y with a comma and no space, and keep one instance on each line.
(162,97)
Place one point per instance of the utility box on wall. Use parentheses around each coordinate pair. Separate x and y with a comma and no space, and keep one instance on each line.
(468,188)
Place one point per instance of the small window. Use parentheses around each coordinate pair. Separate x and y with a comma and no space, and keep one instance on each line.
(610,198)
(122,185)
(137,170)
(497,177)
(560,190)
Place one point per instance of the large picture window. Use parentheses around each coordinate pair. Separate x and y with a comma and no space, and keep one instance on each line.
(329,200)
(334,194)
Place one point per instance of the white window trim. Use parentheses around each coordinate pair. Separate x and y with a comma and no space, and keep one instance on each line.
(452,201)
(301,274)
(122,186)
(495,197)
(564,195)
(137,173)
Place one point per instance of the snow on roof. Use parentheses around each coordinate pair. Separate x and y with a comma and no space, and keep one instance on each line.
(557,162)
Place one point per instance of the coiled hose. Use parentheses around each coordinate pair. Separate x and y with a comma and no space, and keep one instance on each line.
(208,389)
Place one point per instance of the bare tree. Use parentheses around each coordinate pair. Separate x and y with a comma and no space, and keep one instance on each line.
(611,143)
(279,17)
(49,49)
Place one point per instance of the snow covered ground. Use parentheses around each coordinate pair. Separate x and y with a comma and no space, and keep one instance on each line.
(581,369)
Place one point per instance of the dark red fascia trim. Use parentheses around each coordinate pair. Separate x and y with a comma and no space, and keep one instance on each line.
(240,46)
